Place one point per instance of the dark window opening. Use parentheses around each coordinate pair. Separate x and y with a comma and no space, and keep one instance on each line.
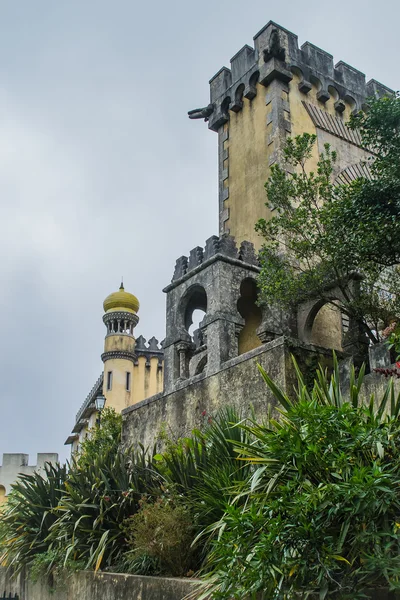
(128,382)
(109,380)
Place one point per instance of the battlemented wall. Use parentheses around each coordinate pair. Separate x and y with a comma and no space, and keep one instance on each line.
(14,464)
(237,384)
(148,374)
(274,90)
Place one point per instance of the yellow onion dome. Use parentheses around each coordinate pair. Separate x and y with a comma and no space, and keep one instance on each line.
(121,300)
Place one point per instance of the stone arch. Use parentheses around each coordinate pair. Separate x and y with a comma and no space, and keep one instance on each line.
(226,102)
(351,102)
(252,315)
(251,88)
(323,325)
(333,92)
(316,82)
(239,94)
(195,298)
(201,365)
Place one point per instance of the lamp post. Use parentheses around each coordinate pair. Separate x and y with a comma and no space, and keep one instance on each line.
(100,402)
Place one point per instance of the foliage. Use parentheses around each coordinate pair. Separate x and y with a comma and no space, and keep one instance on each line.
(104,438)
(29,515)
(162,530)
(50,566)
(205,468)
(322,235)
(96,501)
(322,504)
(79,516)
(391,335)
(137,564)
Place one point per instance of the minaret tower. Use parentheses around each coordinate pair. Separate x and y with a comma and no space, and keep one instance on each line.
(120,319)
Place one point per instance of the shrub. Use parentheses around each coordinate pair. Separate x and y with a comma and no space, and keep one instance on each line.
(162,530)
(322,504)
(96,501)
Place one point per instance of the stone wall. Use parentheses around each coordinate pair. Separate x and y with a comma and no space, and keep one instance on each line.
(86,585)
(237,384)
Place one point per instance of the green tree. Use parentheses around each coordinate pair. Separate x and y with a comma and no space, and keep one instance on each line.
(104,439)
(322,235)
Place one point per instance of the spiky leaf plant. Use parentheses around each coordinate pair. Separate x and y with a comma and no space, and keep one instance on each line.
(29,515)
(322,505)
(205,466)
(96,501)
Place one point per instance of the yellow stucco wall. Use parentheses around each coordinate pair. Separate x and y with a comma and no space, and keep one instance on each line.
(250,147)
(118,397)
(119,342)
(247,165)
(347,154)
(327,328)
(3,497)
(147,380)
(248,339)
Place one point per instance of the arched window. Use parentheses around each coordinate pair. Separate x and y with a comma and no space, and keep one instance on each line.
(251,313)
(193,308)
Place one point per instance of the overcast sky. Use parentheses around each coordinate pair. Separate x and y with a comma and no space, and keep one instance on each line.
(103,175)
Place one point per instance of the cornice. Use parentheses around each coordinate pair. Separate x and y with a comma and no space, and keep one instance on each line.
(118,354)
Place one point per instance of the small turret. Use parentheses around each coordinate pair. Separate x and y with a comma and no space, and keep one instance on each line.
(120,319)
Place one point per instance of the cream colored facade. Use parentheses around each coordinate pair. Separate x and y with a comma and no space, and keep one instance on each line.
(132,370)
(16,464)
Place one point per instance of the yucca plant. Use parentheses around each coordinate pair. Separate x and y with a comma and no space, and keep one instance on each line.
(29,515)
(320,514)
(205,466)
(96,501)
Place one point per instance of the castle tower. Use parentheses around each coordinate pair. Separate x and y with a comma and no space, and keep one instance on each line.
(274,90)
(120,319)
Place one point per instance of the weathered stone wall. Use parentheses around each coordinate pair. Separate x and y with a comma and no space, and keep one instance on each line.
(238,384)
(86,585)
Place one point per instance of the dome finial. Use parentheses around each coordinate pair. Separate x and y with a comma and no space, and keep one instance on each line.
(121,287)
(121,300)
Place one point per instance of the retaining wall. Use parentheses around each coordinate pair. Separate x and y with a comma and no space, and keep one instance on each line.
(86,585)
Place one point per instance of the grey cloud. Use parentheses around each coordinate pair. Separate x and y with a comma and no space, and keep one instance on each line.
(102,174)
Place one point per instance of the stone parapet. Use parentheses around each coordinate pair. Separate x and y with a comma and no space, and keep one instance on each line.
(223,247)
(276,55)
(15,464)
(237,383)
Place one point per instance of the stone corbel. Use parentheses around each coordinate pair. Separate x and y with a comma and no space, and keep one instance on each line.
(274,69)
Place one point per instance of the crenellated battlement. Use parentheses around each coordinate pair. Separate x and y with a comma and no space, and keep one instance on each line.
(224,246)
(276,55)
(15,464)
(153,349)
